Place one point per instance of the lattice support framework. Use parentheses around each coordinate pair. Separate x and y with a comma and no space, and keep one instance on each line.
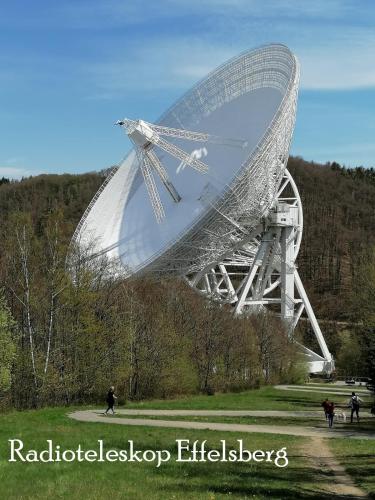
(261,273)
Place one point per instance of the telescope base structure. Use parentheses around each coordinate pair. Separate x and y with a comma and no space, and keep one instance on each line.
(261,273)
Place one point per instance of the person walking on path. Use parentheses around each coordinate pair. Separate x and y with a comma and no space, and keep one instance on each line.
(330,413)
(325,405)
(354,403)
(111,400)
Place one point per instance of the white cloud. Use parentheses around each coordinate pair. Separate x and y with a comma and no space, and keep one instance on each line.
(343,149)
(144,49)
(14,168)
(343,60)
(16,172)
(165,64)
(15,160)
(102,15)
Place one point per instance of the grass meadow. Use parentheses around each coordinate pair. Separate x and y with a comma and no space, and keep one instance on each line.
(124,480)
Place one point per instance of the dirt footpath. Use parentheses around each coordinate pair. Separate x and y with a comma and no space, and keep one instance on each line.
(334,478)
(294,430)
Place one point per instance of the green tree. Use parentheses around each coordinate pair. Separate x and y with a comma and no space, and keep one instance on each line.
(364,310)
(7,344)
(349,358)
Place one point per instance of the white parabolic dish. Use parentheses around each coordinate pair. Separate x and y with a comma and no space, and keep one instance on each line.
(252,97)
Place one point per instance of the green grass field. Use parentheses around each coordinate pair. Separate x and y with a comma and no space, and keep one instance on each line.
(266,398)
(172,480)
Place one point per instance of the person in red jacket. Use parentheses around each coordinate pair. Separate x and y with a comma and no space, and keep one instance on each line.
(325,405)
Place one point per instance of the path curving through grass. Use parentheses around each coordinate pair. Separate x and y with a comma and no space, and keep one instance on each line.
(98,416)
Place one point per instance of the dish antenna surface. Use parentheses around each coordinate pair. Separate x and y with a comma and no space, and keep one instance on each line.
(205,193)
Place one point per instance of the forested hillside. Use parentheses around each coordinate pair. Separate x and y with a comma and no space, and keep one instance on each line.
(46,194)
(339,232)
(339,222)
(63,343)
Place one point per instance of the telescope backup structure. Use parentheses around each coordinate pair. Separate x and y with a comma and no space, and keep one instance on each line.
(205,193)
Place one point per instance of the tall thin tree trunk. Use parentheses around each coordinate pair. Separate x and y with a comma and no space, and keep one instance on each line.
(50,326)
(25,270)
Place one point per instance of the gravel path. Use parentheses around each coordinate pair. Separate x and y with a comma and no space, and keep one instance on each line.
(96,416)
(224,413)
(325,390)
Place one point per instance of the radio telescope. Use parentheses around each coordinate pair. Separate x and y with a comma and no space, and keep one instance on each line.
(205,194)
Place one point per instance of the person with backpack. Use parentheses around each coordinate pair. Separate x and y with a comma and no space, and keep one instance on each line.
(354,403)
(111,400)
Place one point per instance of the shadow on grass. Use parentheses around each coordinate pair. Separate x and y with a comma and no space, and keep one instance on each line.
(245,481)
(361,468)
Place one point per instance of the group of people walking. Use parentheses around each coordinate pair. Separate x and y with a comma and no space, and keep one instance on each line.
(329,408)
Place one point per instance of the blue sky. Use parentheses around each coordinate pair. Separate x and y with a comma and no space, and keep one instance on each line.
(70,68)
